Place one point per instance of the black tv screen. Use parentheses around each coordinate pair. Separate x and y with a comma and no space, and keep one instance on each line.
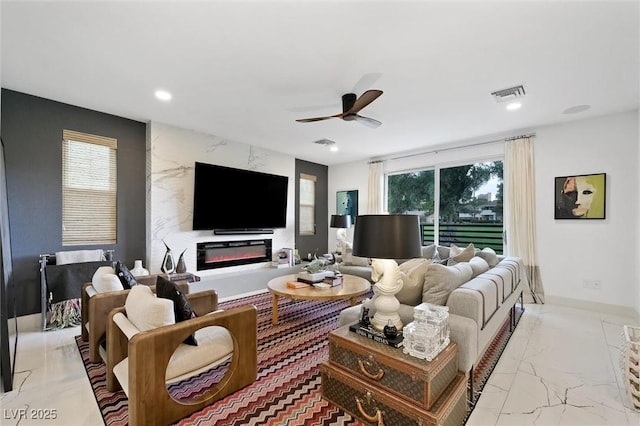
(226,198)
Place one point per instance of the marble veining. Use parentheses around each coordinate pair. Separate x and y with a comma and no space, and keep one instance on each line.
(560,367)
(171,155)
(214,146)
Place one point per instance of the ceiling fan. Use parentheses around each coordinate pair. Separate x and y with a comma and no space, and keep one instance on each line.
(351,105)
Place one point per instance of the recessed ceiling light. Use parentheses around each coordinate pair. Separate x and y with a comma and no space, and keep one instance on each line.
(163,95)
(514,106)
(333,149)
(576,109)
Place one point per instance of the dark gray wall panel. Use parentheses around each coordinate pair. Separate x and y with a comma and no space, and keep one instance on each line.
(318,242)
(32,133)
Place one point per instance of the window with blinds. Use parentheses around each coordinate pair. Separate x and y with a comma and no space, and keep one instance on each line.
(88,189)
(307,204)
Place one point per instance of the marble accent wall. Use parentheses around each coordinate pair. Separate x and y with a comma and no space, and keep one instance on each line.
(171,156)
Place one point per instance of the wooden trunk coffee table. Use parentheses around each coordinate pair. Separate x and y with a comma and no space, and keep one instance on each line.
(351,287)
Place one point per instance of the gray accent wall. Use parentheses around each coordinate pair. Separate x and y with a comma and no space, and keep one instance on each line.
(313,243)
(32,134)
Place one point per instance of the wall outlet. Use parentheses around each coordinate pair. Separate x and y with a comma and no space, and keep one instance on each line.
(592,284)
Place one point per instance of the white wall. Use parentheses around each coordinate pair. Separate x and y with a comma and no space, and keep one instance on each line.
(171,154)
(570,251)
(347,177)
(638,229)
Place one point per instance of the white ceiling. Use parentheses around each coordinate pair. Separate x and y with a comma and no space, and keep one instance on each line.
(245,70)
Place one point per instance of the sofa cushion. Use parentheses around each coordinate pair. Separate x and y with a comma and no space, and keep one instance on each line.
(428,252)
(146,311)
(349,259)
(458,254)
(412,272)
(489,255)
(107,283)
(435,252)
(478,266)
(440,281)
(181,306)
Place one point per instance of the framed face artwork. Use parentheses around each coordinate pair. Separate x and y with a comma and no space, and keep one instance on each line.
(580,196)
(347,204)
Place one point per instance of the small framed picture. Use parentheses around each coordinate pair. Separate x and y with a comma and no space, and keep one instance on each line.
(347,204)
(580,196)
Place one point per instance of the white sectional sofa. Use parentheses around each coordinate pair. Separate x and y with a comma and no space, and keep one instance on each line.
(480,296)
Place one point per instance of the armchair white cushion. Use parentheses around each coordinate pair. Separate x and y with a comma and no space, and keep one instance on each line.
(136,359)
(215,346)
(102,271)
(106,283)
(146,311)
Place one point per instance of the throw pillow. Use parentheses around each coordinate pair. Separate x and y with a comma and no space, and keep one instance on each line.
(146,311)
(107,283)
(457,254)
(428,252)
(412,273)
(440,281)
(348,259)
(489,255)
(478,266)
(126,277)
(96,280)
(181,306)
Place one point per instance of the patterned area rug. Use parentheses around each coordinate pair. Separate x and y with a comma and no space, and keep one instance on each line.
(287,390)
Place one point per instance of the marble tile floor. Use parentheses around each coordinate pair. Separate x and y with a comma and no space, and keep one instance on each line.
(561,367)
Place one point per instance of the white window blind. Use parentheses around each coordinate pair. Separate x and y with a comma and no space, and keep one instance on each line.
(88,189)
(307,204)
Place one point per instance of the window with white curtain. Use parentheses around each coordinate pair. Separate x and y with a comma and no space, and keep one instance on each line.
(88,189)
(307,204)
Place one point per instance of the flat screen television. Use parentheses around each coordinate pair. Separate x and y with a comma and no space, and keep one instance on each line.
(231,199)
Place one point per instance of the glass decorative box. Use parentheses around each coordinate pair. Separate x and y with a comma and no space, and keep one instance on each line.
(428,334)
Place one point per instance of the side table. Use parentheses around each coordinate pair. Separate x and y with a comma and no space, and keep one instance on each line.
(378,383)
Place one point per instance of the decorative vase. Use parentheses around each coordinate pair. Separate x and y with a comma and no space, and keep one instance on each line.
(168,265)
(138,270)
(181,267)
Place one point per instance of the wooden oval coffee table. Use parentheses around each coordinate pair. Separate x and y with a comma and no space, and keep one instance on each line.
(351,287)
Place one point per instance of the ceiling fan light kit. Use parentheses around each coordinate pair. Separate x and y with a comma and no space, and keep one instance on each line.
(351,105)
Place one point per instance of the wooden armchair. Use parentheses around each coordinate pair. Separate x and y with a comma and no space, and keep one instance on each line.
(141,364)
(96,307)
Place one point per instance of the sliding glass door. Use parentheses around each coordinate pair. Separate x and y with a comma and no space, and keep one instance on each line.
(457,205)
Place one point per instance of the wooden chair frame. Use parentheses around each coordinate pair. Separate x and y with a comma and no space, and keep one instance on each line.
(149,353)
(95,311)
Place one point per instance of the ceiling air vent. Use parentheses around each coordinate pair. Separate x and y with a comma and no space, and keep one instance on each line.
(508,94)
(325,142)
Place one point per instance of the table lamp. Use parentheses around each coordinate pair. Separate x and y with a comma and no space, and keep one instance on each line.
(342,222)
(384,238)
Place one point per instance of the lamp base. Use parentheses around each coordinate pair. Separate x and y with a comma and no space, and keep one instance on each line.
(387,282)
(380,320)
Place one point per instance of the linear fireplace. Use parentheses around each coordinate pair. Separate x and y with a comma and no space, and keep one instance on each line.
(220,254)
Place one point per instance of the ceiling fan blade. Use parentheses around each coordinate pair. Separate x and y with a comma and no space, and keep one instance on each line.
(311,120)
(369,122)
(366,81)
(365,99)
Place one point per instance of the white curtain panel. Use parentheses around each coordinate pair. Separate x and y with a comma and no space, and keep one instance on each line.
(375,204)
(521,220)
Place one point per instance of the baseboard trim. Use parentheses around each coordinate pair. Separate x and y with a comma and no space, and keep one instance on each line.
(604,308)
